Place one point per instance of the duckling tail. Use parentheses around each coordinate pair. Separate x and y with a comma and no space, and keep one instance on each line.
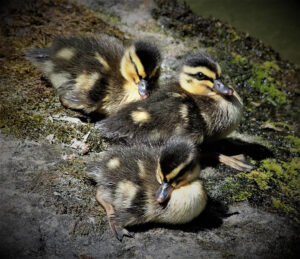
(37,55)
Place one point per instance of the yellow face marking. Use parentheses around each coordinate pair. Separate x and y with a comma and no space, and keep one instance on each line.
(189,176)
(57,79)
(102,61)
(113,163)
(128,69)
(159,174)
(137,61)
(125,193)
(174,173)
(219,71)
(142,170)
(204,70)
(65,53)
(86,81)
(131,93)
(154,71)
(140,117)
(194,86)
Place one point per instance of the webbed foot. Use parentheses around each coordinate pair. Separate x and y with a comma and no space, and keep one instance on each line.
(237,162)
(118,231)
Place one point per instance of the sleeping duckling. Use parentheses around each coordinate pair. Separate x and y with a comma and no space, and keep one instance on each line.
(197,105)
(97,74)
(149,184)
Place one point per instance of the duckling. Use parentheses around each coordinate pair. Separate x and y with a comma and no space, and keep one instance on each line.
(197,105)
(98,74)
(145,183)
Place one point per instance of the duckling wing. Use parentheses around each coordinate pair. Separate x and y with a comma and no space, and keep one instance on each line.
(154,118)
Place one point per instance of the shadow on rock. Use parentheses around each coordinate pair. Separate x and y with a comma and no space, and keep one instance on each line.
(232,147)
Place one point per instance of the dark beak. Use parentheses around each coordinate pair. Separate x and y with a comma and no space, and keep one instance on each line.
(220,88)
(142,88)
(164,192)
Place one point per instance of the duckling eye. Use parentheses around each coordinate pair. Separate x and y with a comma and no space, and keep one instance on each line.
(200,76)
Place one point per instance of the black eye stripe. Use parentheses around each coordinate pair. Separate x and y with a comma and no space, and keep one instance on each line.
(203,77)
(135,67)
(182,171)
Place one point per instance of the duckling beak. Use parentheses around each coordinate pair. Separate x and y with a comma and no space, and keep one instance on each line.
(142,88)
(164,192)
(220,88)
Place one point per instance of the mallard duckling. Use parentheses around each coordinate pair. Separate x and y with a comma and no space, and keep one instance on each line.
(142,184)
(98,74)
(197,105)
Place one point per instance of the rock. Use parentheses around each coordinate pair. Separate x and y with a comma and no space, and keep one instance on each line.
(48,208)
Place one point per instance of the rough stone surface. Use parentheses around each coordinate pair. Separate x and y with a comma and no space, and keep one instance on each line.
(48,209)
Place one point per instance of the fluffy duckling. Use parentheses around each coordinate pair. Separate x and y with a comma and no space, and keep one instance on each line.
(197,105)
(98,74)
(149,184)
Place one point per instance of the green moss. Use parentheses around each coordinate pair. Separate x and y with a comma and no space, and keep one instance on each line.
(234,35)
(262,78)
(238,59)
(269,66)
(261,179)
(228,189)
(279,124)
(282,180)
(264,81)
(279,205)
(270,165)
(295,143)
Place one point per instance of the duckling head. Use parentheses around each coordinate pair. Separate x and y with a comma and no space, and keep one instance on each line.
(177,166)
(200,76)
(140,66)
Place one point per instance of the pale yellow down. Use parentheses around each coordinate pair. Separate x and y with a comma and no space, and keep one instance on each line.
(142,170)
(102,61)
(125,193)
(86,81)
(140,117)
(113,163)
(65,53)
(58,79)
